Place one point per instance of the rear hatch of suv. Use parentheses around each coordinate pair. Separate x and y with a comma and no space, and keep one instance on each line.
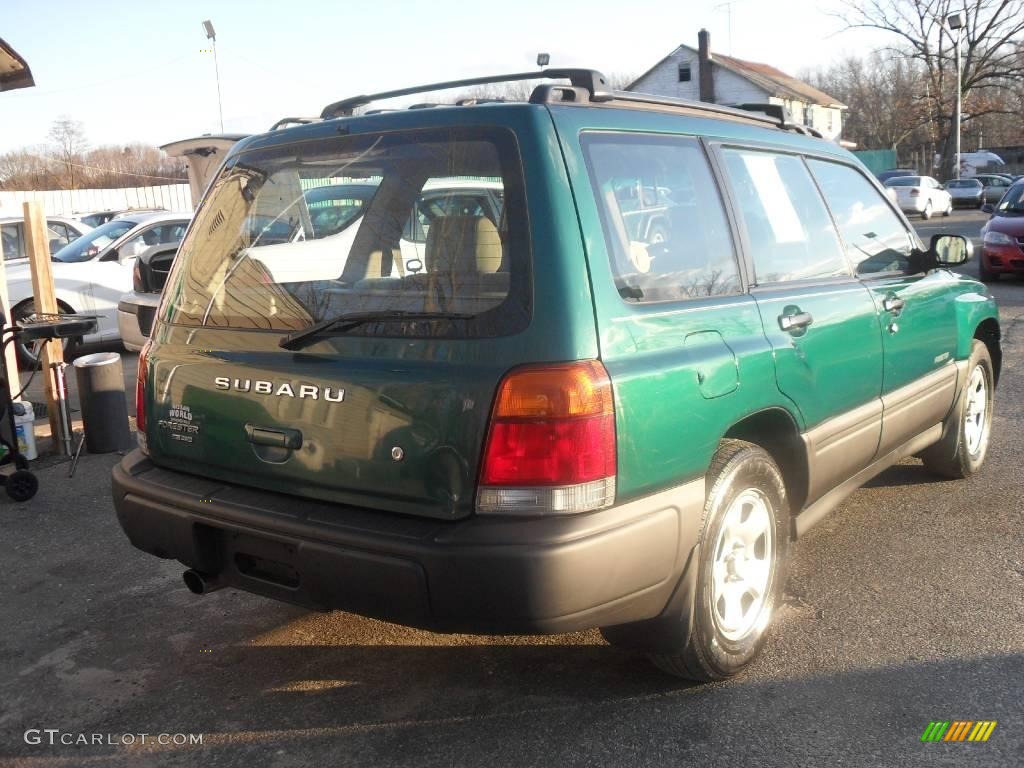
(336,362)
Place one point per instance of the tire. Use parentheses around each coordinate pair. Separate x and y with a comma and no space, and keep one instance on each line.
(986,275)
(21,485)
(741,566)
(949,209)
(968,427)
(27,354)
(927,212)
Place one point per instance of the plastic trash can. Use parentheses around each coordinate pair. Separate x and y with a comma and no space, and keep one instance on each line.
(104,408)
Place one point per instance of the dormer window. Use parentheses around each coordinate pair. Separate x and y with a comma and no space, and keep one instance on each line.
(684,73)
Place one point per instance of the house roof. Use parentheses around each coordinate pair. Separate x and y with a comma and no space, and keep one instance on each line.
(773,81)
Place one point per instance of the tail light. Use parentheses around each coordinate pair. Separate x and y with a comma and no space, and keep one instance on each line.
(914,191)
(140,399)
(551,445)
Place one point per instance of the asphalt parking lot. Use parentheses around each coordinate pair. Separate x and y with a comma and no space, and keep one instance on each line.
(905,606)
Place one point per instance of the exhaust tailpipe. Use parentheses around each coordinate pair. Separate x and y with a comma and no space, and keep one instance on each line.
(199,583)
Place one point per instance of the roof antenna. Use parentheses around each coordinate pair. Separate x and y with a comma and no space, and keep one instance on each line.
(728,4)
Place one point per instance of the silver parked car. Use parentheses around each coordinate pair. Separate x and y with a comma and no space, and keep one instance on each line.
(966,193)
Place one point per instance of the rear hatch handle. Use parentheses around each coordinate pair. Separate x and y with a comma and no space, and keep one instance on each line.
(274,437)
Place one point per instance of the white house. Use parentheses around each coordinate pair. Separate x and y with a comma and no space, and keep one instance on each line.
(698,74)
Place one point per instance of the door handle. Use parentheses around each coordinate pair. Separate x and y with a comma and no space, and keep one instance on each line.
(893,304)
(795,322)
(277,438)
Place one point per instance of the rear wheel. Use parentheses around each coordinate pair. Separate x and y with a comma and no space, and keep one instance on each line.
(740,568)
(927,212)
(965,435)
(949,208)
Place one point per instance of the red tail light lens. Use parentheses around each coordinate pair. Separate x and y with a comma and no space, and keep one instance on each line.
(914,191)
(551,445)
(140,397)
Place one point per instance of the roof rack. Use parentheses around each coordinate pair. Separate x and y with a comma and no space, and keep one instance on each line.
(586,86)
(591,80)
(285,121)
(782,117)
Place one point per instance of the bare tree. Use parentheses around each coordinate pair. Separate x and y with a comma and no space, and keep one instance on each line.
(991,53)
(69,136)
(886,94)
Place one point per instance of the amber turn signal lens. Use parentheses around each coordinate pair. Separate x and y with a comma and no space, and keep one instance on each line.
(555,392)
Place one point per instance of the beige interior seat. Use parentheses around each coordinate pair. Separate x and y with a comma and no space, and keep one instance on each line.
(463,254)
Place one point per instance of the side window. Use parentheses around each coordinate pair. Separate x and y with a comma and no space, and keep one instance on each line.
(663,218)
(790,233)
(10,234)
(876,239)
(60,232)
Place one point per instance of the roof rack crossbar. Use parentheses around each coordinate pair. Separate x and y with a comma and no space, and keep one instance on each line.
(593,81)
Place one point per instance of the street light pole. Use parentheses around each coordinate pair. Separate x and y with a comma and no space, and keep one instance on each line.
(959,109)
(212,36)
(956,22)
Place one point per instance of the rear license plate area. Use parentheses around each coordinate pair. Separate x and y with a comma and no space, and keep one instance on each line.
(262,559)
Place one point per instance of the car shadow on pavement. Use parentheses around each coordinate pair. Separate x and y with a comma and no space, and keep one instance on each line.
(901,475)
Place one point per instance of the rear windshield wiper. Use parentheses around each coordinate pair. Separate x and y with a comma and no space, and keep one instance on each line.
(350,320)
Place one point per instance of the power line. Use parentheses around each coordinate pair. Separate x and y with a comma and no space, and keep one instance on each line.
(105,170)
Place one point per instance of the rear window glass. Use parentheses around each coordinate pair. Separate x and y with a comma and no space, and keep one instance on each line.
(424,222)
(663,219)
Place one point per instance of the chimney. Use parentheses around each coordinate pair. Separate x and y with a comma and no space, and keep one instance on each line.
(707,83)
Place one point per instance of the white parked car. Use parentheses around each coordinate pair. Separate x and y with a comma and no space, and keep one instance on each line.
(922,195)
(92,273)
(60,230)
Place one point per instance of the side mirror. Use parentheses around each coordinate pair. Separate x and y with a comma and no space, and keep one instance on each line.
(950,250)
(988,208)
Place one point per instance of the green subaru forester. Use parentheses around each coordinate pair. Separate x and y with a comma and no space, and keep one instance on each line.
(593,360)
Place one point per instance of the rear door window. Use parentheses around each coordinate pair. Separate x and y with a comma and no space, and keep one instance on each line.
(790,235)
(875,237)
(418,231)
(663,218)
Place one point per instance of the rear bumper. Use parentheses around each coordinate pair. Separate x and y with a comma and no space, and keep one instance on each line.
(967,202)
(478,575)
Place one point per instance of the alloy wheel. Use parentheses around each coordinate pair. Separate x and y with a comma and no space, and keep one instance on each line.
(743,564)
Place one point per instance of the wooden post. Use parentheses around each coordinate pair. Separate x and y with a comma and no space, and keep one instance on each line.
(10,361)
(38,249)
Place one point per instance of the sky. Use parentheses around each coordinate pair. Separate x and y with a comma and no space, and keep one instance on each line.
(142,70)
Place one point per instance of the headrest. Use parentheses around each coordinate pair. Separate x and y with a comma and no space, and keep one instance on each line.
(463,244)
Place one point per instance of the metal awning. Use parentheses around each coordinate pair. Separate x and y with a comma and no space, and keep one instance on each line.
(14,71)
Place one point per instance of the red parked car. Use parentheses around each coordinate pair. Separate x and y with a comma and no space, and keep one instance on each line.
(1002,249)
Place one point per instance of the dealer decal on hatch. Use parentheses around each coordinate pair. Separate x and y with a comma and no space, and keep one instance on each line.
(179,424)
